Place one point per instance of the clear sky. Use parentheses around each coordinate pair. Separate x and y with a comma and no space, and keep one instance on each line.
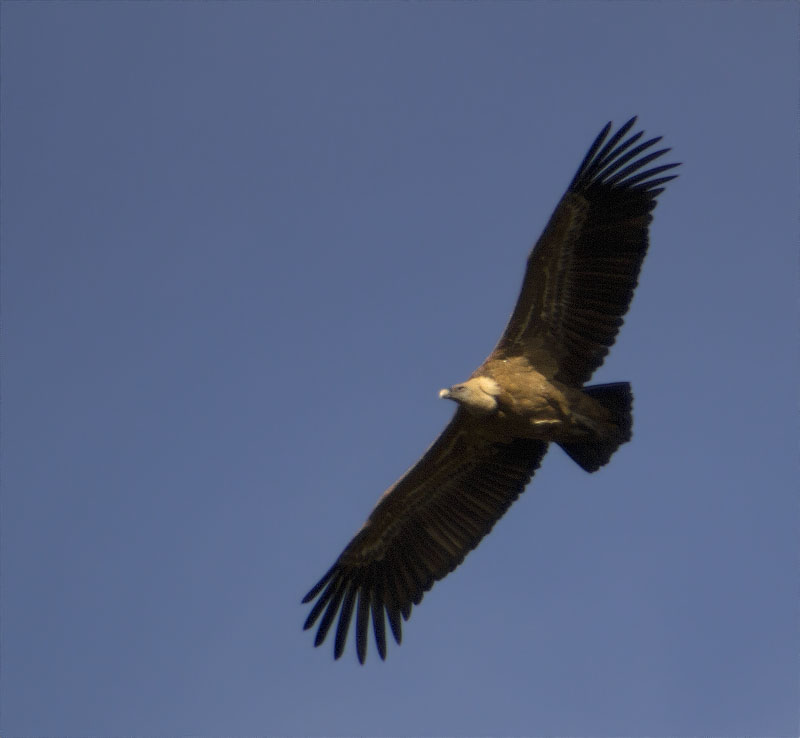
(244,245)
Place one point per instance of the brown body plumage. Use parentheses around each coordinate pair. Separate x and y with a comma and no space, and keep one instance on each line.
(530,392)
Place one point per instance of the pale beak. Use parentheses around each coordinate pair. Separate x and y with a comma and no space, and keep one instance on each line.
(444,394)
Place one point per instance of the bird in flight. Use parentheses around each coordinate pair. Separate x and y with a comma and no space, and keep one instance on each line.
(529,392)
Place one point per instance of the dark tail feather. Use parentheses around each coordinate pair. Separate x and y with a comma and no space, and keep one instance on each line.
(618,398)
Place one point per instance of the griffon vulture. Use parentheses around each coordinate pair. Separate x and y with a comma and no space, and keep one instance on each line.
(530,392)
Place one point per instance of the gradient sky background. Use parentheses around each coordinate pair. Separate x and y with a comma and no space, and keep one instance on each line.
(243,246)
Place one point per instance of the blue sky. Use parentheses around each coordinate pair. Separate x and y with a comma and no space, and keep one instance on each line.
(243,246)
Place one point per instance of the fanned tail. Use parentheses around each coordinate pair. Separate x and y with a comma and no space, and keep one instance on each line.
(618,399)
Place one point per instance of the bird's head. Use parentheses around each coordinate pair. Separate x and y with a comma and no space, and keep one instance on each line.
(478,395)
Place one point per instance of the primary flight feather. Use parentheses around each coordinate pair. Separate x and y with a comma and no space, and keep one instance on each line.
(529,392)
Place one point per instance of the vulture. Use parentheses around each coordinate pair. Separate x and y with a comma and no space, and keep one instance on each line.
(530,392)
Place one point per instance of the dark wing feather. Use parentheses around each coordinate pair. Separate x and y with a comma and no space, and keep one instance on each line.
(582,272)
(420,530)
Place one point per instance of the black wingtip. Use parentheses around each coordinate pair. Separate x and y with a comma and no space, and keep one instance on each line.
(618,164)
(345,615)
(317,588)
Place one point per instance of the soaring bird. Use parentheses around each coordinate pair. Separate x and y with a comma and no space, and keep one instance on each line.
(529,392)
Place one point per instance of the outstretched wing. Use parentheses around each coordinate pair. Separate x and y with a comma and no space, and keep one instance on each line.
(420,530)
(582,272)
